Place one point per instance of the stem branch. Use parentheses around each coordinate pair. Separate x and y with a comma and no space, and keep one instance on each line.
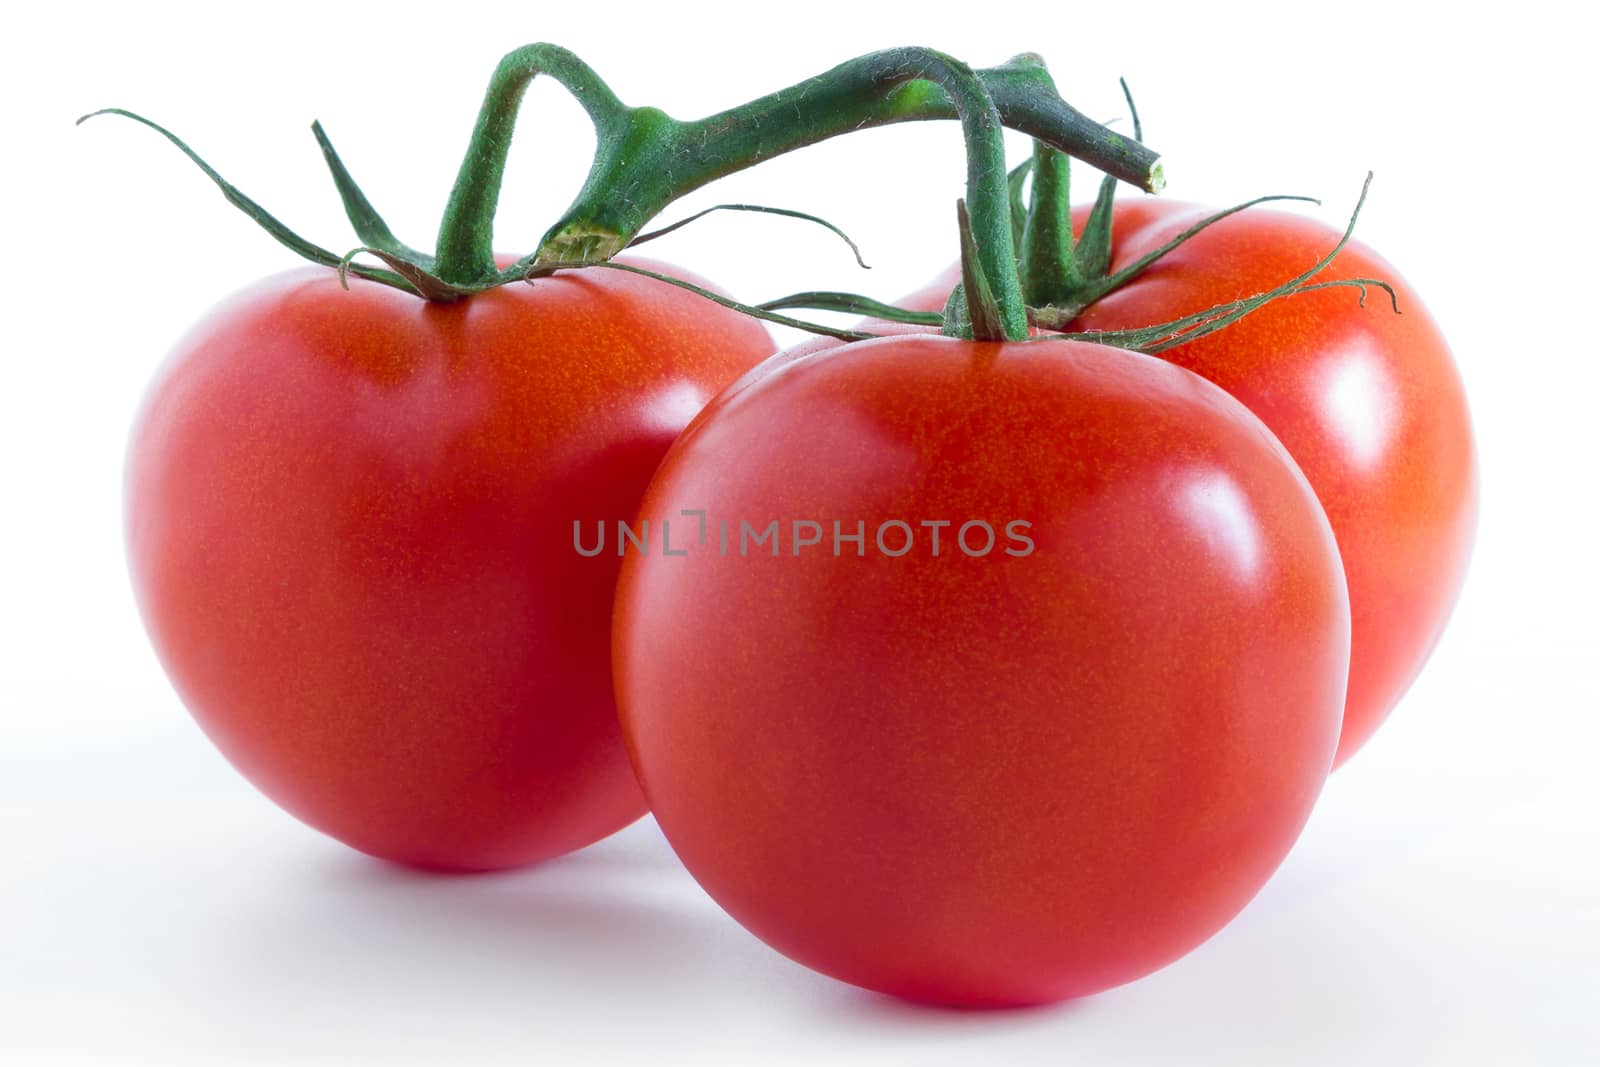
(465,253)
(645,159)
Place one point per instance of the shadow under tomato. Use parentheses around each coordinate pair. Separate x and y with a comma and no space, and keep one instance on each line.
(336,941)
(619,920)
(859,1007)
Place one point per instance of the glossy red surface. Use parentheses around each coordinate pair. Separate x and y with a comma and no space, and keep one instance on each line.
(1369,403)
(349,525)
(992,779)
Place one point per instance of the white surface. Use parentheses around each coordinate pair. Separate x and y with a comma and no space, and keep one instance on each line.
(1441,907)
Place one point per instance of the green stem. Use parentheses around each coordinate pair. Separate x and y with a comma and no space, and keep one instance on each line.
(753,310)
(645,159)
(1061,275)
(1156,339)
(1049,268)
(804,216)
(987,209)
(465,253)
(852,304)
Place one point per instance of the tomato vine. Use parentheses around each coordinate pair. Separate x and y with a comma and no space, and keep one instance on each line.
(645,159)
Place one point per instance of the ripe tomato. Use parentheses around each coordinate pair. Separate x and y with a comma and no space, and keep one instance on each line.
(1369,403)
(349,522)
(998,774)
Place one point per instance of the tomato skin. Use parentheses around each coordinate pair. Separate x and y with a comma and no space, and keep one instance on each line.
(1369,403)
(998,780)
(349,529)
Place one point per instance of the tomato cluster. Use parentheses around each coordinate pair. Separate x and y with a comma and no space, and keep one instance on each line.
(972,668)
(1015,781)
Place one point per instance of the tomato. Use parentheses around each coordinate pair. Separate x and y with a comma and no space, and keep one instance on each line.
(1369,403)
(349,526)
(1045,760)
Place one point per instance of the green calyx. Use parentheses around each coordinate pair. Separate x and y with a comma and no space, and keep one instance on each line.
(1061,275)
(645,160)
(965,315)
(1064,276)
(1159,337)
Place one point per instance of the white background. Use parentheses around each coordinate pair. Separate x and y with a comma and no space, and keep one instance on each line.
(1441,907)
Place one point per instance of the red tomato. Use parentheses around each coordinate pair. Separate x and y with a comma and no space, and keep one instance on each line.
(999,774)
(1369,403)
(349,521)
